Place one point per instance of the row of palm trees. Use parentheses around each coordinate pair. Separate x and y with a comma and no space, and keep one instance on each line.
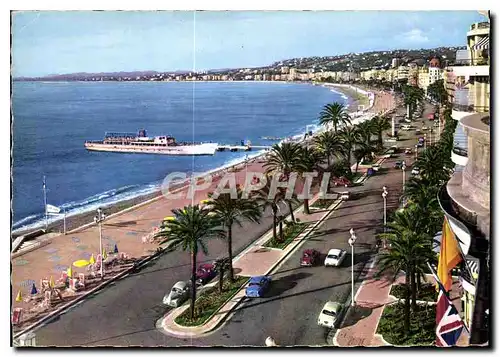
(193,226)
(411,231)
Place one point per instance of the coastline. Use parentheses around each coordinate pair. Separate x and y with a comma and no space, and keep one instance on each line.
(80,219)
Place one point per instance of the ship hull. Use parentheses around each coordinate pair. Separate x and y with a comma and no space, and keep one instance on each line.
(194,150)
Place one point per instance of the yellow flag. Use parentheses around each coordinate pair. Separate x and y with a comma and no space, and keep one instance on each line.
(92,259)
(70,272)
(19,296)
(51,282)
(449,256)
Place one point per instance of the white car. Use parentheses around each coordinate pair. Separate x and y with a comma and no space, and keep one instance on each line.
(344,196)
(180,292)
(329,314)
(335,257)
(415,171)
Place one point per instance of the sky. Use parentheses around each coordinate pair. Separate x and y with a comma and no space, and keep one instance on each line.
(57,42)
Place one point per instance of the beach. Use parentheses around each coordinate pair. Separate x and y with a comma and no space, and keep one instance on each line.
(125,230)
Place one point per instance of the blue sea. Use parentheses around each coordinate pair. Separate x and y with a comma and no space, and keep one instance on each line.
(53,120)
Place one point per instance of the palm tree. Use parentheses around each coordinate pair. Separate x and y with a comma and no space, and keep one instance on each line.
(310,159)
(328,144)
(266,199)
(188,230)
(230,211)
(284,158)
(380,124)
(432,166)
(350,138)
(366,131)
(410,250)
(360,153)
(221,265)
(334,114)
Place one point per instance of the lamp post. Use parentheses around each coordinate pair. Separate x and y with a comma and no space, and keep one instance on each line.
(384,196)
(403,168)
(416,152)
(351,242)
(98,219)
(425,141)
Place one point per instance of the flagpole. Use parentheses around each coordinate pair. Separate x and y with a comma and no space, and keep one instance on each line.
(64,220)
(45,203)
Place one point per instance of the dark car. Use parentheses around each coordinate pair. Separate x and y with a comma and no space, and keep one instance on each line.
(341,181)
(398,164)
(420,144)
(205,273)
(310,257)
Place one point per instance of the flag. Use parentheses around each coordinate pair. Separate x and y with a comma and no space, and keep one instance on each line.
(449,256)
(70,272)
(449,324)
(51,282)
(116,249)
(52,209)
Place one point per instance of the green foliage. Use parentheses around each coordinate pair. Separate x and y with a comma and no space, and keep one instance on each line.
(210,302)
(334,114)
(290,232)
(422,326)
(323,204)
(427,292)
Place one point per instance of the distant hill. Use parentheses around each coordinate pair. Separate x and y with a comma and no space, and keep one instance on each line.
(86,75)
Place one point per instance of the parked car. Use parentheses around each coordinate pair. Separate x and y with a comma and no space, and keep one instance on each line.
(398,164)
(420,144)
(205,273)
(418,131)
(310,257)
(329,314)
(257,286)
(180,292)
(415,171)
(376,167)
(424,128)
(406,127)
(335,257)
(341,181)
(344,196)
(408,151)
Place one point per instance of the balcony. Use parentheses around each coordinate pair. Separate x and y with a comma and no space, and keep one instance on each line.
(460,228)
(479,66)
(479,28)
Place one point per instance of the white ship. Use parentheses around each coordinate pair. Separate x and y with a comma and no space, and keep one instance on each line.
(142,144)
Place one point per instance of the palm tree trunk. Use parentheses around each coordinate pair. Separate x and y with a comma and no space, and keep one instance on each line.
(328,160)
(357,164)
(281,231)
(275,237)
(306,206)
(291,211)
(406,324)
(413,291)
(193,280)
(221,278)
(230,251)
(380,142)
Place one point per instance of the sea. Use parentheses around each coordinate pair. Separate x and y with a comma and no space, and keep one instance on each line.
(52,120)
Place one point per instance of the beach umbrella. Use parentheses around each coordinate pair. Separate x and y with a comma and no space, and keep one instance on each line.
(169,218)
(81,263)
(51,282)
(104,255)
(70,272)
(92,259)
(33,290)
(19,296)
(204,202)
(116,249)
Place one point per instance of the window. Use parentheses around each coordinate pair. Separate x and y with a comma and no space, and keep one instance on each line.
(329,313)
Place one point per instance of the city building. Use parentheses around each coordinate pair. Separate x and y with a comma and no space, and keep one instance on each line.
(395,62)
(423,78)
(435,71)
(465,198)
(403,72)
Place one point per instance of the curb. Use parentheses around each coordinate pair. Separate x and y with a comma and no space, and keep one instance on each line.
(273,267)
(68,305)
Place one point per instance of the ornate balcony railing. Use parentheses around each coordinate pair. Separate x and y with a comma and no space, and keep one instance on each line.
(480,61)
(480,25)
(470,108)
(460,151)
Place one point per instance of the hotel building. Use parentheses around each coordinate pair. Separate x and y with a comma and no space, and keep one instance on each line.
(465,198)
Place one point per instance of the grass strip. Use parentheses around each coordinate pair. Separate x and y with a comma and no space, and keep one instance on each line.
(422,325)
(323,203)
(210,301)
(290,232)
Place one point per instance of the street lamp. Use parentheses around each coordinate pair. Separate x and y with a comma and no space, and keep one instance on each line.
(416,152)
(384,196)
(351,242)
(403,168)
(425,141)
(98,219)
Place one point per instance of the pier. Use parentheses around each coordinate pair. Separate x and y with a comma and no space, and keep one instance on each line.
(234,148)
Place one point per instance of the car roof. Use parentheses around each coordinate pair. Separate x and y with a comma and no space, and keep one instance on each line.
(180,285)
(206,265)
(332,306)
(334,251)
(256,279)
(309,251)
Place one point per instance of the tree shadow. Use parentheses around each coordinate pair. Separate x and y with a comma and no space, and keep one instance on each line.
(357,313)
(284,283)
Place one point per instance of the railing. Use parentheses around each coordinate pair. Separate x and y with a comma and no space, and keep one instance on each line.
(460,151)
(480,25)
(469,108)
(481,61)
(446,204)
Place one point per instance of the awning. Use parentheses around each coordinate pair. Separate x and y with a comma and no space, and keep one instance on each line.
(483,44)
